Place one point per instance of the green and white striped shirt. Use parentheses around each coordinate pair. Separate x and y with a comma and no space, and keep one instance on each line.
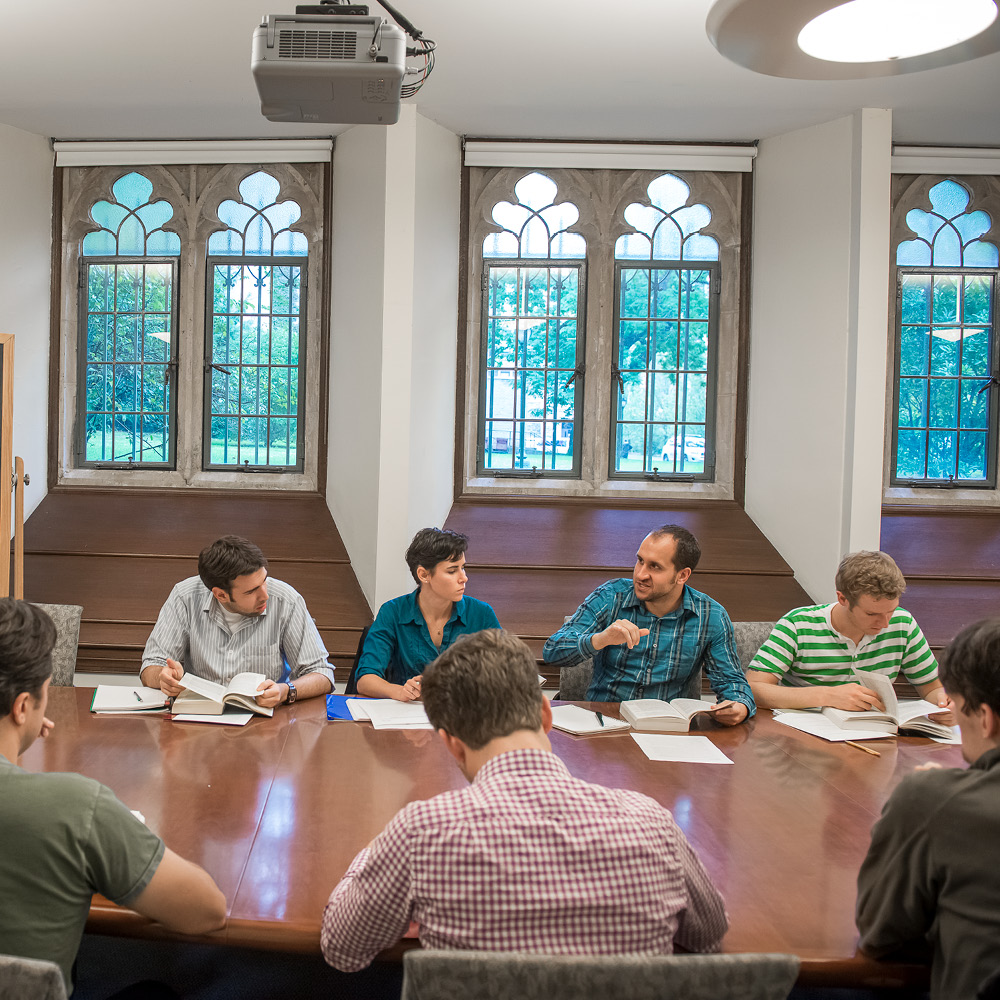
(805,648)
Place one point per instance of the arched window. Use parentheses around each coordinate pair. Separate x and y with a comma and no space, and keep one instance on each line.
(532,334)
(666,281)
(128,342)
(256,290)
(945,409)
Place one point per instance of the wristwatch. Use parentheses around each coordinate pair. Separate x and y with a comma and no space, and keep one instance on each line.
(292,693)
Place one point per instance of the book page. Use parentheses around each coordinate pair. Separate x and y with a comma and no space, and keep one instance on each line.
(687,707)
(882,686)
(652,708)
(246,683)
(817,724)
(206,688)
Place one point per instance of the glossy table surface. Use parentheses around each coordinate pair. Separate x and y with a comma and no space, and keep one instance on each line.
(276,810)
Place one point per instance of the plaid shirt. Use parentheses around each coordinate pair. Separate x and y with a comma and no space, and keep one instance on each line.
(696,635)
(527,858)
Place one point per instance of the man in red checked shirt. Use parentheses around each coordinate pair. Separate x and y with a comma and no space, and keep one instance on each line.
(527,857)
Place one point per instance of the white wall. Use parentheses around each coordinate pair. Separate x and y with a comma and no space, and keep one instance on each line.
(393,351)
(435,325)
(818,342)
(25,265)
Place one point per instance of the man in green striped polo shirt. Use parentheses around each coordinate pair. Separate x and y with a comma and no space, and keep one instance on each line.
(812,657)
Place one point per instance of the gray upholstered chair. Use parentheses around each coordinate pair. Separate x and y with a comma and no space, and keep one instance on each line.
(30,979)
(485,975)
(67,621)
(750,637)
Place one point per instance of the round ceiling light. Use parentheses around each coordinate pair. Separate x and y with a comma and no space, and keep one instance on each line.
(874,30)
(852,40)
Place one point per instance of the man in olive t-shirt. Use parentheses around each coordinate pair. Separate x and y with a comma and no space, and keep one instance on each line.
(65,837)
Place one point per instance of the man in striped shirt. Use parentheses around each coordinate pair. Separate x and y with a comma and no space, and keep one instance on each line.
(815,654)
(527,857)
(231,618)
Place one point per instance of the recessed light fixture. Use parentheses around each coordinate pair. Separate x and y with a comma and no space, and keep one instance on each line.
(874,30)
(834,40)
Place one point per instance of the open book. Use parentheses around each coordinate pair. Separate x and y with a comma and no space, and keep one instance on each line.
(909,715)
(651,715)
(204,697)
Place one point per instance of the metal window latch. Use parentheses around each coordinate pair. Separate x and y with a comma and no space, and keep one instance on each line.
(578,372)
(617,374)
(992,380)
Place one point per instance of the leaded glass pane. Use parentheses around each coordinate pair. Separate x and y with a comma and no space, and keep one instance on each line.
(536,226)
(943,373)
(129,328)
(662,356)
(131,225)
(255,376)
(530,351)
(948,235)
(259,225)
(667,228)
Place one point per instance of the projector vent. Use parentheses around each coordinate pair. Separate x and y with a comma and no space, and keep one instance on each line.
(317,44)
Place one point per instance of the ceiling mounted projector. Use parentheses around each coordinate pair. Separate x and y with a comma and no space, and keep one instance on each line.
(335,63)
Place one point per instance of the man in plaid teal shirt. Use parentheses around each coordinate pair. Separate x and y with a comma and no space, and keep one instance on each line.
(651,636)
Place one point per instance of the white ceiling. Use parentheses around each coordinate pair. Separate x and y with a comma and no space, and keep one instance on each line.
(587,69)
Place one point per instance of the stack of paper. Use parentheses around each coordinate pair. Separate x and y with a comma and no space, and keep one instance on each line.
(680,749)
(581,722)
(386,713)
(115,699)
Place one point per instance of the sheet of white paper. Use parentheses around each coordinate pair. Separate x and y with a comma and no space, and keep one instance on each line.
(386,713)
(682,749)
(358,708)
(826,729)
(226,719)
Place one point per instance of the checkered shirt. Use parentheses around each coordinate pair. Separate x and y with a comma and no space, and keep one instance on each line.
(527,858)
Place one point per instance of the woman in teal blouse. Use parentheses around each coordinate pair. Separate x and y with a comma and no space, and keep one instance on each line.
(412,630)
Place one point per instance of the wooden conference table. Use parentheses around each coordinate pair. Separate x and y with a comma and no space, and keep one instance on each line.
(276,810)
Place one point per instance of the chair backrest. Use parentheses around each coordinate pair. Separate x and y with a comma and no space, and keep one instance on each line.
(750,637)
(67,621)
(483,975)
(352,677)
(30,979)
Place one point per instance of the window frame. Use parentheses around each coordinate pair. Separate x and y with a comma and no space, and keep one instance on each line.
(993,410)
(195,189)
(715,284)
(83,314)
(549,264)
(909,191)
(302,263)
(601,195)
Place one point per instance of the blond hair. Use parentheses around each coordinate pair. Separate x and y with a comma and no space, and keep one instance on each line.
(873,573)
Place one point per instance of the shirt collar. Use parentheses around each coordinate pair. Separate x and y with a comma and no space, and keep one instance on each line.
(411,609)
(987,760)
(515,763)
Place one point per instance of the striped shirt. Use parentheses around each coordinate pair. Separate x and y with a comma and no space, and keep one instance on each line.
(280,643)
(696,635)
(526,858)
(805,648)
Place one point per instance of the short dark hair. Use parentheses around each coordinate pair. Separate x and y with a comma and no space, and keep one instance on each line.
(227,558)
(970,665)
(27,636)
(431,546)
(484,686)
(688,550)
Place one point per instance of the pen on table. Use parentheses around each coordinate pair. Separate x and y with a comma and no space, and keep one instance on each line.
(858,746)
(137,697)
(600,718)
